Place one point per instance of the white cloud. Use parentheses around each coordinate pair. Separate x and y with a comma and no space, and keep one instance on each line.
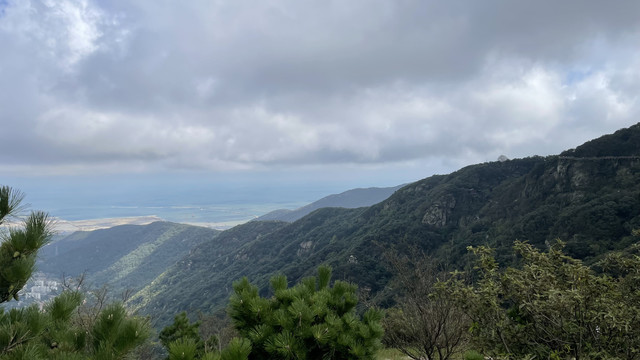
(124,86)
(60,32)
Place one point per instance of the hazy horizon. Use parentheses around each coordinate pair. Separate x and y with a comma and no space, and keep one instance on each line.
(179,198)
(123,103)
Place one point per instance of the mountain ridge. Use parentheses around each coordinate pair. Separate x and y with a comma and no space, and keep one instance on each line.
(592,205)
(350,199)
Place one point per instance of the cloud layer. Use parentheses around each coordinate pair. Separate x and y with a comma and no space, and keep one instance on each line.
(126,86)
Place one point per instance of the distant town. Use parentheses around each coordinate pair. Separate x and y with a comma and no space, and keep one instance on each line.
(38,290)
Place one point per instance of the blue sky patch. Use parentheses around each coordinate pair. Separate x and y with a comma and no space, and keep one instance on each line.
(3,5)
(575,76)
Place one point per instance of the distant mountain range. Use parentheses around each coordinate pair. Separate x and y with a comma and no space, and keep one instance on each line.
(589,197)
(349,199)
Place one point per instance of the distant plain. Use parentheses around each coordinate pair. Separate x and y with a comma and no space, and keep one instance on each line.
(94,202)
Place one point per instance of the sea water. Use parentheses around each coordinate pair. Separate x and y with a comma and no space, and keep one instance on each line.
(186,200)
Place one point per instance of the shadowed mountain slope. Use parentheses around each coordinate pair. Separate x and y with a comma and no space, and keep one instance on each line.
(126,256)
(589,197)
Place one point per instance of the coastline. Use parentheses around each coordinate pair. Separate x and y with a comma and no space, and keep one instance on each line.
(69,226)
(64,226)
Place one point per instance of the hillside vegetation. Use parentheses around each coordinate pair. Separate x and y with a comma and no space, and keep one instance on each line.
(218,253)
(587,197)
(123,257)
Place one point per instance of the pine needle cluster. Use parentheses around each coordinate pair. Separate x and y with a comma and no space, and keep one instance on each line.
(311,320)
(51,333)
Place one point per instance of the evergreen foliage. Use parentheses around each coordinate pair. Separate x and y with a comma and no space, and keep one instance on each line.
(311,320)
(182,335)
(554,306)
(19,245)
(30,333)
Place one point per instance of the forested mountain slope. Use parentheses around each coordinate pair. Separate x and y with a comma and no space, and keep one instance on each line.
(208,260)
(588,197)
(124,257)
(349,199)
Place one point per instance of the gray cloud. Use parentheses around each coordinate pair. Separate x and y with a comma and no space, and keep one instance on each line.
(137,86)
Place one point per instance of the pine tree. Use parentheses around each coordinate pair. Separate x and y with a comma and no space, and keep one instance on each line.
(29,333)
(19,245)
(311,320)
(185,333)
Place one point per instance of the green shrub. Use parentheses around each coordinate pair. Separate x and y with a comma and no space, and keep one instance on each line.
(473,355)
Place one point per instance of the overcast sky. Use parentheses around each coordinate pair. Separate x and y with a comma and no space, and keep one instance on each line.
(227,87)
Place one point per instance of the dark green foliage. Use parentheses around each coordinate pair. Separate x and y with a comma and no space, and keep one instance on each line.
(183,334)
(473,355)
(115,333)
(52,334)
(624,142)
(186,349)
(311,320)
(63,306)
(554,306)
(10,202)
(29,333)
(20,245)
(183,349)
(238,349)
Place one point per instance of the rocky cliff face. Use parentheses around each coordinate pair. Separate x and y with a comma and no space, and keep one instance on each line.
(437,214)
